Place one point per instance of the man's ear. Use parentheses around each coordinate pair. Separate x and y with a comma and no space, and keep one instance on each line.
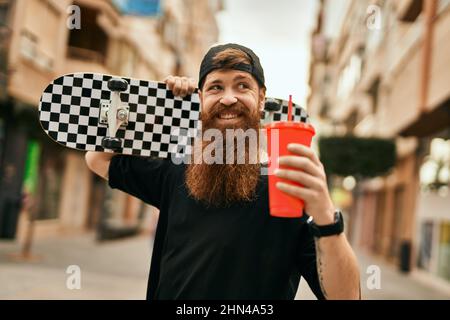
(262,98)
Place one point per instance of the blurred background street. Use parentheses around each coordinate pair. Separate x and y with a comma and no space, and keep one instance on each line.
(113,270)
(372,74)
(119,270)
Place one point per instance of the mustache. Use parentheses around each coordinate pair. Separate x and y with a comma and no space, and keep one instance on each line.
(218,108)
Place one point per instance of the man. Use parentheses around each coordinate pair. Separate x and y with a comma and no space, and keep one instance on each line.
(215,237)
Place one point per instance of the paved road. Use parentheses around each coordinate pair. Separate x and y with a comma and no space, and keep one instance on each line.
(110,270)
(119,270)
(393,284)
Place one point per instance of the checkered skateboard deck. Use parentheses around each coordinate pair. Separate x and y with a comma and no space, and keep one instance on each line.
(159,124)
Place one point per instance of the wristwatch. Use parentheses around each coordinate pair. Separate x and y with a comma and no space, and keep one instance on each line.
(328,230)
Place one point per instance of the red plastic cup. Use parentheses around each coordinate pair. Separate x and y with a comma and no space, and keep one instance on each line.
(279,135)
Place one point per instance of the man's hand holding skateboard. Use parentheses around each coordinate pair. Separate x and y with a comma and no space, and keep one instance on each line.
(180,86)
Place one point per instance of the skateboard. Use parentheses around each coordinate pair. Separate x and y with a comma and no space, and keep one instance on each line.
(97,112)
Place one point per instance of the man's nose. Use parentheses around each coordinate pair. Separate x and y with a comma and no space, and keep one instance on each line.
(228,99)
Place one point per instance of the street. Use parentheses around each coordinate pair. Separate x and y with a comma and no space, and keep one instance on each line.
(393,284)
(119,270)
(111,270)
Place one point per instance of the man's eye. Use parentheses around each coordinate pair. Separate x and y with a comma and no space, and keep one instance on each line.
(214,87)
(243,85)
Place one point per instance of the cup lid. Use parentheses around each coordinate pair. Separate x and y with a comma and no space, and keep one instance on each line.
(290,124)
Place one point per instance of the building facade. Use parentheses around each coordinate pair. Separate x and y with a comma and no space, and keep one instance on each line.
(41,181)
(383,74)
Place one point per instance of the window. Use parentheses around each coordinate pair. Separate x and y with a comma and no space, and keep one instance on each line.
(426,245)
(28,45)
(90,42)
(374,95)
(408,11)
(435,171)
(350,76)
(444,251)
(376,22)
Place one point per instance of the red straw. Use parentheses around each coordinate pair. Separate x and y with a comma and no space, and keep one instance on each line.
(290,108)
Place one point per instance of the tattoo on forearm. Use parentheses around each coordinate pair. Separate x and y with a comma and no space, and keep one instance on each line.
(319,267)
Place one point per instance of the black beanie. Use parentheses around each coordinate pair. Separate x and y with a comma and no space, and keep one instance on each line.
(255,68)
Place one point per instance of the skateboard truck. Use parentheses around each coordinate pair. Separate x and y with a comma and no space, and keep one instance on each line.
(114,114)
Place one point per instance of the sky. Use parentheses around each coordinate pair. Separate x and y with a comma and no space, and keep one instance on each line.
(279,33)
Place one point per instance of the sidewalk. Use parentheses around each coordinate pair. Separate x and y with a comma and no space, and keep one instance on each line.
(119,270)
(394,285)
(110,270)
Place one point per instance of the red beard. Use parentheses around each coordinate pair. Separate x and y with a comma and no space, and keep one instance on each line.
(222,184)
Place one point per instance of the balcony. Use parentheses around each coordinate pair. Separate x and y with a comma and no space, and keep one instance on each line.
(86,55)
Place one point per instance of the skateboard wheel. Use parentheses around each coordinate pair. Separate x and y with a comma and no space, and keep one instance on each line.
(117,84)
(272,105)
(112,143)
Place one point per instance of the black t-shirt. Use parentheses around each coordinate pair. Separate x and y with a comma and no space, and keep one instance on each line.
(238,252)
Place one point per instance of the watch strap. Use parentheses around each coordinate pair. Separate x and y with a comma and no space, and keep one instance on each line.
(328,230)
